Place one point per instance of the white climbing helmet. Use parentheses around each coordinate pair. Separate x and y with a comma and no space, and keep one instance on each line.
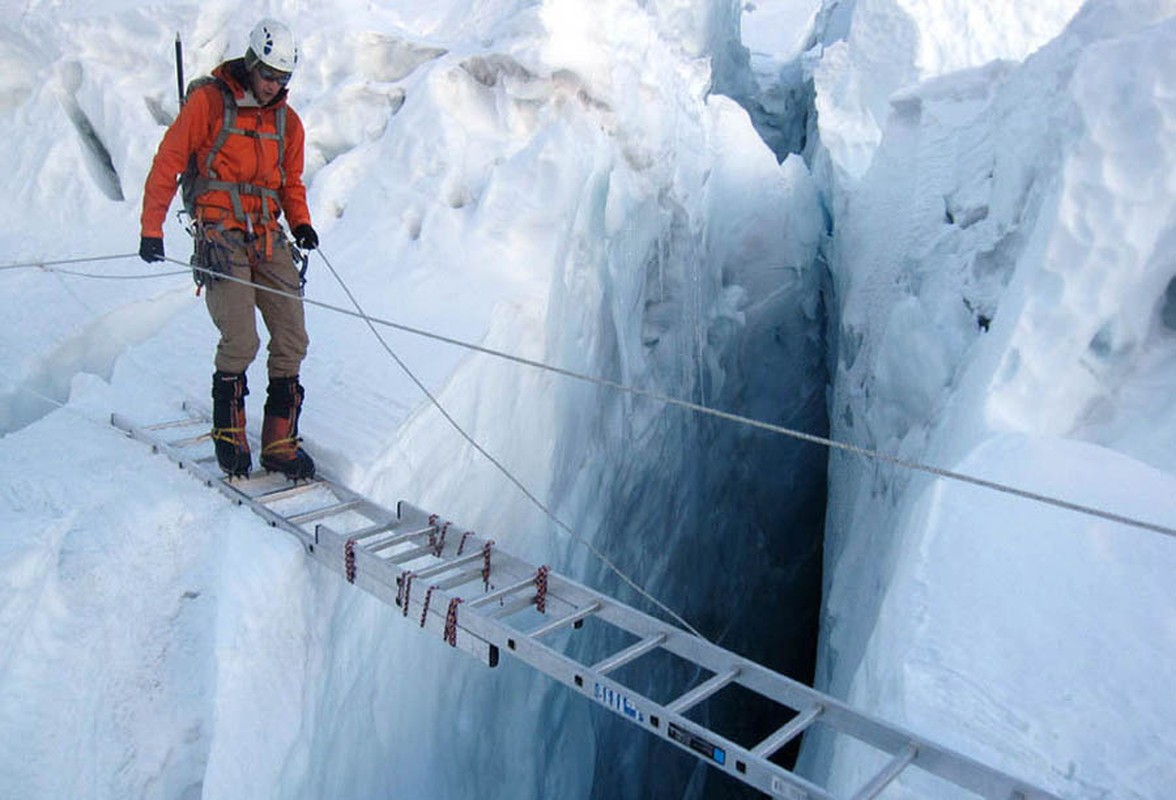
(272,43)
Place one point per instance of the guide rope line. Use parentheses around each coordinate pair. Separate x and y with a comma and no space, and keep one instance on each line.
(832,444)
(52,266)
(518,484)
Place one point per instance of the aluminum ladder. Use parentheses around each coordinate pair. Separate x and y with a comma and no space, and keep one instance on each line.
(481,599)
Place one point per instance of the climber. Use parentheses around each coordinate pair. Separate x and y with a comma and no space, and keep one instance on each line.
(240,149)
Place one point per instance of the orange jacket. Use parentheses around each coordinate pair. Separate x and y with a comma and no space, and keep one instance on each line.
(242,159)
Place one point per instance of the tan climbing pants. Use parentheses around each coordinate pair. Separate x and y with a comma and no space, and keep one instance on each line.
(231,305)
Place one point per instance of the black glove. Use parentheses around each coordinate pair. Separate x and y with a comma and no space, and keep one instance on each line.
(305,237)
(151,248)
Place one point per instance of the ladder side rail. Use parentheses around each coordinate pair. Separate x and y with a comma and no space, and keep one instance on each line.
(943,762)
(891,739)
(686,734)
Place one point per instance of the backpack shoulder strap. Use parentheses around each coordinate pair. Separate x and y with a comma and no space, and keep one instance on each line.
(229,106)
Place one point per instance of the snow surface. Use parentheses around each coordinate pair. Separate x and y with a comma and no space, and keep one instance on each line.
(991,187)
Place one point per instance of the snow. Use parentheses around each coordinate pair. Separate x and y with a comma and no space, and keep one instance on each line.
(990,189)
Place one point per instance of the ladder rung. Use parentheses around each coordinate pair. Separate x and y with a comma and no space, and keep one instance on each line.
(445,566)
(702,691)
(176,423)
(398,539)
(372,530)
(789,731)
(503,592)
(405,556)
(570,619)
(190,440)
(513,608)
(883,779)
(284,493)
(631,653)
(325,511)
(459,579)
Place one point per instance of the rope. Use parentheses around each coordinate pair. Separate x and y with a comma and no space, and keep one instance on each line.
(349,560)
(438,543)
(832,444)
(541,588)
(80,260)
(450,633)
(403,590)
(428,599)
(461,544)
(486,581)
(518,484)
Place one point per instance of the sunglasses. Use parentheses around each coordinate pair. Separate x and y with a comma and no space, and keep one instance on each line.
(273,75)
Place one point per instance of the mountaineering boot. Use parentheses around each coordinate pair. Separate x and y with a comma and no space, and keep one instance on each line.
(279,433)
(228,423)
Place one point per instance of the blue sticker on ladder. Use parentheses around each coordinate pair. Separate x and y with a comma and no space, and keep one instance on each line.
(617,702)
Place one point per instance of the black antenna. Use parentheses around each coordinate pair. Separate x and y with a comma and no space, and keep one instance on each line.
(180,68)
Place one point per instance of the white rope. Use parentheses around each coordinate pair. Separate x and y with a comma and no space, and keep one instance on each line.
(832,444)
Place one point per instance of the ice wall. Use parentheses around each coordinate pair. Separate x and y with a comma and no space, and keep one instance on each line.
(683,266)
(999,281)
(553,179)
